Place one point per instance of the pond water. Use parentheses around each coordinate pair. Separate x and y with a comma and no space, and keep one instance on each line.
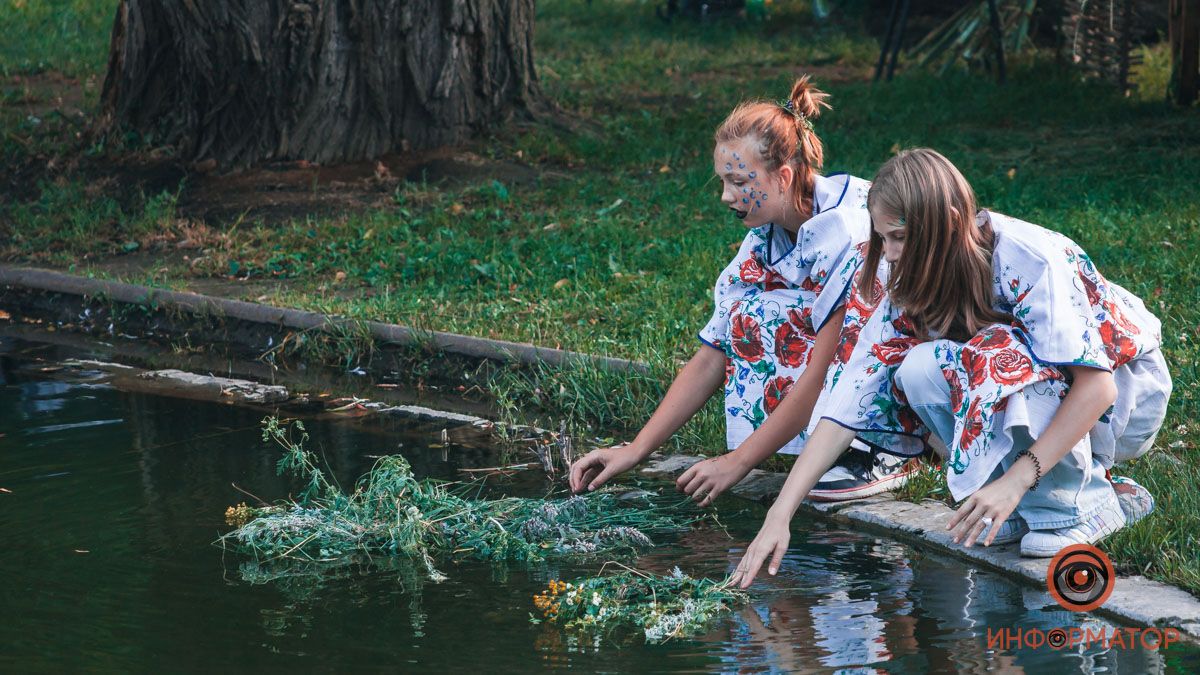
(111,503)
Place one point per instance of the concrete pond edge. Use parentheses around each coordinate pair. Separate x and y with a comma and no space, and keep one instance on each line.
(1135,599)
(50,281)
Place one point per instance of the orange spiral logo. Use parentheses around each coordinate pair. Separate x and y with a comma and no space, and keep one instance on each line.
(1080,578)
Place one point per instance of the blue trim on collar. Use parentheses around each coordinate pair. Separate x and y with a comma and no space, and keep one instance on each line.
(771,242)
(816,210)
(841,196)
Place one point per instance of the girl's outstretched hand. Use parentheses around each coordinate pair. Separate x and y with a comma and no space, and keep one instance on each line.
(704,481)
(771,542)
(996,500)
(595,468)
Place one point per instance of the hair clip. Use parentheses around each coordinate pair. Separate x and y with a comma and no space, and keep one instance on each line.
(800,117)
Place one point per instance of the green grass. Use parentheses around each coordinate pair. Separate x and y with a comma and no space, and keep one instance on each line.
(66,36)
(561,262)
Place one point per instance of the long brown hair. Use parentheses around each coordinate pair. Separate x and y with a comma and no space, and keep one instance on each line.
(943,279)
(784,136)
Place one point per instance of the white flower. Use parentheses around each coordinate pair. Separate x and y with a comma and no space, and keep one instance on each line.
(595,598)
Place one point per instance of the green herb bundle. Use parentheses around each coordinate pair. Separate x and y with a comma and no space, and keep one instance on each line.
(663,607)
(392,513)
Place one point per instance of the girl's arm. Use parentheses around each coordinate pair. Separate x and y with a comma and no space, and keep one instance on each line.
(693,386)
(828,441)
(708,479)
(1092,391)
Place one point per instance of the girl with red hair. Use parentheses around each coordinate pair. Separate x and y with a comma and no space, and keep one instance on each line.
(778,306)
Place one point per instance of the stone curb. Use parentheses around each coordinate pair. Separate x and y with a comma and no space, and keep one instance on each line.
(248,392)
(1134,599)
(33,279)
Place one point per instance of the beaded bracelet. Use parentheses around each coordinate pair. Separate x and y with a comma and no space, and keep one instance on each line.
(1037,467)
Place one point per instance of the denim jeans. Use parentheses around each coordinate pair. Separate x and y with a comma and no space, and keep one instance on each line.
(1070,492)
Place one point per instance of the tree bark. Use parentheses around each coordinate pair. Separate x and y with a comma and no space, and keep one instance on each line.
(1184,35)
(245,81)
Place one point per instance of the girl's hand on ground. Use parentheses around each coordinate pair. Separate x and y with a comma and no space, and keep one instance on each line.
(704,481)
(595,468)
(996,500)
(771,542)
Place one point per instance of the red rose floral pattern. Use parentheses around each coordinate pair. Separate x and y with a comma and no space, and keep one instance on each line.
(1065,314)
(775,295)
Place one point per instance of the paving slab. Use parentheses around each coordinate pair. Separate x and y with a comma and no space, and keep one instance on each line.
(1134,599)
(239,391)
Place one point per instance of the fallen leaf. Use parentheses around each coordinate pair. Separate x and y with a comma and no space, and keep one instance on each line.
(664,169)
(560,283)
(551,226)
(81,550)
(457,209)
(4,316)
(1011,173)
(339,277)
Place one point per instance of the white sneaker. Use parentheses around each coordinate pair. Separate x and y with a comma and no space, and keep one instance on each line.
(1046,543)
(862,473)
(1011,530)
(1136,501)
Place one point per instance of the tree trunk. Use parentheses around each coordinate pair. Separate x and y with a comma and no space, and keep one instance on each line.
(244,81)
(1184,85)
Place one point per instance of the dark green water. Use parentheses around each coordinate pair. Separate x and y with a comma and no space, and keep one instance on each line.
(108,565)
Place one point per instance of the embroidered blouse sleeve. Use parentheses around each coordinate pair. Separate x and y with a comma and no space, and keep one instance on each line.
(862,394)
(824,262)
(838,255)
(1069,313)
(735,283)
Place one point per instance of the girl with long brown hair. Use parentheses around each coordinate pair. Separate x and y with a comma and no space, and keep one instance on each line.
(1002,340)
(778,305)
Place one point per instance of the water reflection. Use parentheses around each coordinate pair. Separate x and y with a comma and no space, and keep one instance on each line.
(143,494)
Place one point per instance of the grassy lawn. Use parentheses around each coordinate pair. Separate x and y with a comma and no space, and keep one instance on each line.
(613,245)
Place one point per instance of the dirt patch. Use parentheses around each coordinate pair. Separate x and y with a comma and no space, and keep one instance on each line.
(51,116)
(44,94)
(285,191)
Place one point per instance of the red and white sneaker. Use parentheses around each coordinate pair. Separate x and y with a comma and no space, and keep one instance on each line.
(863,473)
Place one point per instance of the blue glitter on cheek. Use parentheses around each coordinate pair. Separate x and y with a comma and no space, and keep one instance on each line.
(753,175)
(745,200)
(741,166)
(737,157)
(758,204)
(728,167)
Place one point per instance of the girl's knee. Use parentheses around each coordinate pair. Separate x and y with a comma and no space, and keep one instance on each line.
(920,373)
